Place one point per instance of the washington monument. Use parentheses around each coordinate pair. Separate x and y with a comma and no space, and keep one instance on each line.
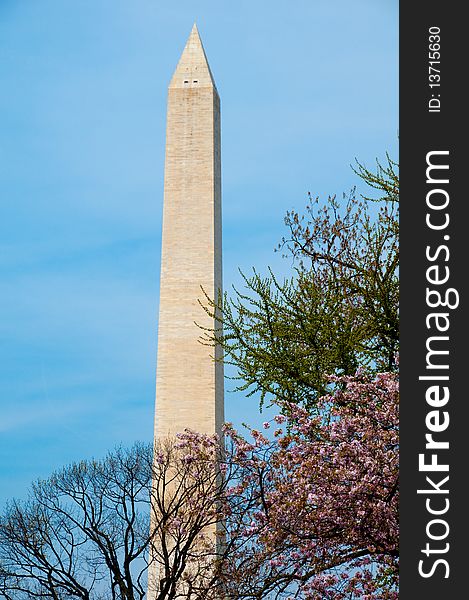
(189,384)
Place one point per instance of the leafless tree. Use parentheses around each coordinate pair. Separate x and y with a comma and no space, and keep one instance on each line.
(85,532)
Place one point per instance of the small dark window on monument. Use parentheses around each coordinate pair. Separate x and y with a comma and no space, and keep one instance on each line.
(186,81)
(195,81)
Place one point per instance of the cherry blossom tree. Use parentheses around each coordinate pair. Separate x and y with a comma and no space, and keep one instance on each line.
(325,524)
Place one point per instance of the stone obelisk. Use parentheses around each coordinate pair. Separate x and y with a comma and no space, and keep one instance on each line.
(189,383)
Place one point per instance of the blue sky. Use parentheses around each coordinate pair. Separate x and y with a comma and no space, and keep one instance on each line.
(305,86)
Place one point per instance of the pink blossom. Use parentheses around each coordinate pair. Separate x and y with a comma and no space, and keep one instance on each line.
(329,492)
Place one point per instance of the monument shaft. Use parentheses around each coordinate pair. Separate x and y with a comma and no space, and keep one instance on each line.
(189,384)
